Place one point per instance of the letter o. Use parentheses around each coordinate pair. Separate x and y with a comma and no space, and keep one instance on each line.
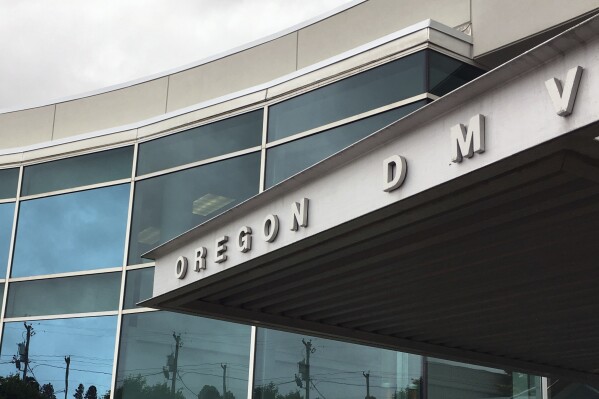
(270,228)
(181,268)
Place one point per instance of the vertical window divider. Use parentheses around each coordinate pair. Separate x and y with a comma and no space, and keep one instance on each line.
(253,335)
(263,150)
(119,319)
(544,388)
(10,254)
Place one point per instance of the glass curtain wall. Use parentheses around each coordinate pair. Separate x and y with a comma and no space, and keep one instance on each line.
(74,271)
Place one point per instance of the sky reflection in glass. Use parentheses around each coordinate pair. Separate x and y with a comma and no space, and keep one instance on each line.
(78,231)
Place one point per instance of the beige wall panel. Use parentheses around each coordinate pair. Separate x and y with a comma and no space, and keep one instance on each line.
(204,113)
(371,20)
(496,23)
(450,43)
(236,72)
(23,128)
(11,159)
(108,140)
(401,45)
(111,109)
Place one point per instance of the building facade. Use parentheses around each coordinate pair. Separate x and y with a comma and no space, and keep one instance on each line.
(91,184)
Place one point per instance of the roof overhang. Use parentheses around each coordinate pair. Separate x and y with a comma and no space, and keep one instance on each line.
(490,260)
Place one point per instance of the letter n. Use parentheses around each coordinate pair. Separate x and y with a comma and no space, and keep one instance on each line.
(466,141)
(299,214)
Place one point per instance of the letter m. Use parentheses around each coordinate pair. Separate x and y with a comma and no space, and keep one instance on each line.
(466,141)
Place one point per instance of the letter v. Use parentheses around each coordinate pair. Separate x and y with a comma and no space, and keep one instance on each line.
(563,101)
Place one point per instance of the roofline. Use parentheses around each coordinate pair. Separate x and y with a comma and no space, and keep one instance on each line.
(426,24)
(214,57)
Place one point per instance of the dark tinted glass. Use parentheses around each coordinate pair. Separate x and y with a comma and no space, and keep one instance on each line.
(80,294)
(78,171)
(138,286)
(285,160)
(336,369)
(380,86)
(565,389)
(168,205)
(6,217)
(453,380)
(206,350)
(229,135)
(86,343)
(447,74)
(8,183)
(77,231)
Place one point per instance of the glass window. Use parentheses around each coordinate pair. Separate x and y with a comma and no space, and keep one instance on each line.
(161,352)
(77,231)
(368,90)
(168,205)
(80,294)
(218,138)
(8,183)
(83,170)
(138,286)
(447,74)
(291,365)
(6,217)
(287,159)
(86,345)
(452,380)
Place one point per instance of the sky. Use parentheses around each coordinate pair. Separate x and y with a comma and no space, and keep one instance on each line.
(54,49)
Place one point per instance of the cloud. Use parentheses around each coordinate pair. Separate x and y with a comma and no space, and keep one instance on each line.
(59,48)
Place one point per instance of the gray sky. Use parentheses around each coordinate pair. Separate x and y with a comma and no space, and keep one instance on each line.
(52,49)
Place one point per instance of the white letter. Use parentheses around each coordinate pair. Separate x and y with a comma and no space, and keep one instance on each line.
(244,239)
(299,214)
(270,228)
(221,248)
(181,268)
(200,259)
(464,143)
(394,172)
(563,101)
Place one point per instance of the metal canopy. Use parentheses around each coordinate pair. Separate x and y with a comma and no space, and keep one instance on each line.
(502,273)
(495,266)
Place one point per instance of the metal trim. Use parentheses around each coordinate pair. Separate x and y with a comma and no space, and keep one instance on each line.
(141,266)
(65,274)
(199,163)
(263,150)
(252,361)
(62,316)
(75,189)
(76,153)
(11,249)
(117,340)
(139,310)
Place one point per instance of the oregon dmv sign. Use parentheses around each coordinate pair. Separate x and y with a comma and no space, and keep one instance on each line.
(464,142)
